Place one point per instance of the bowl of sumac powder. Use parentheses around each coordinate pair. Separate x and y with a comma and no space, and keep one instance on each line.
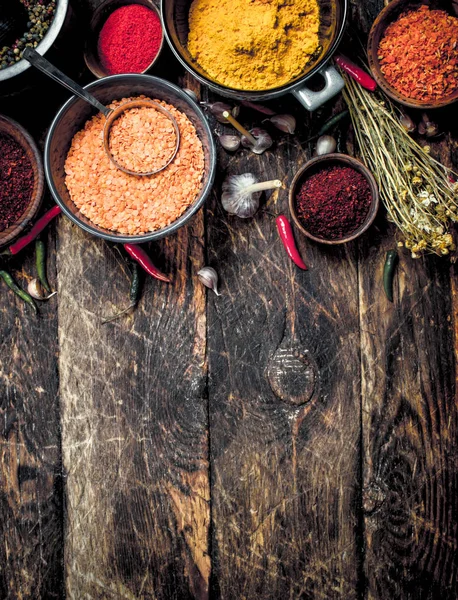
(21,179)
(333,199)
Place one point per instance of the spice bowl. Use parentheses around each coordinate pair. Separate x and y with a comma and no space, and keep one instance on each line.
(72,117)
(99,17)
(11,128)
(386,17)
(321,164)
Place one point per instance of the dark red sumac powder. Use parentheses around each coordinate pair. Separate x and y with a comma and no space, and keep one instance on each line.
(16,181)
(333,202)
(130,39)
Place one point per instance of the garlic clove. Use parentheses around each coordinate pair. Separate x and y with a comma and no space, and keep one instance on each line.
(37,291)
(285,123)
(263,140)
(218,108)
(209,277)
(406,122)
(325,144)
(229,142)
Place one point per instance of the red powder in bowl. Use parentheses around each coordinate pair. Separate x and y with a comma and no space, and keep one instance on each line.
(130,39)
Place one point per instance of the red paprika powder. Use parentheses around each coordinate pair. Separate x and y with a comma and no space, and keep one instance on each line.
(333,202)
(16,181)
(130,39)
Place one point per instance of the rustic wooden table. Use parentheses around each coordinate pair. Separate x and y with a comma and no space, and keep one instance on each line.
(295,437)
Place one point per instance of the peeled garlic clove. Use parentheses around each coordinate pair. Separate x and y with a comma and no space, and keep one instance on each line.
(209,277)
(37,291)
(285,123)
(263,140)
(229,142)
(325,144)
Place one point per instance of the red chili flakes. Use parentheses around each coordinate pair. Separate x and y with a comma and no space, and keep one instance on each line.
(418,54)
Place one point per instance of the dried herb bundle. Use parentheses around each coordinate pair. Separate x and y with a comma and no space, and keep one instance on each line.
(416,190)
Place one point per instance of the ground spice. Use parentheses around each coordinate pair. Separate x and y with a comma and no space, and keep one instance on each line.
(253,44)
(16,181)
(127,203)
(333,202)
(418,54)
(130,39)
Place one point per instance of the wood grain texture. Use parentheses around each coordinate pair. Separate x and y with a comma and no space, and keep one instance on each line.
(134,423)
(284,393)
(31,483)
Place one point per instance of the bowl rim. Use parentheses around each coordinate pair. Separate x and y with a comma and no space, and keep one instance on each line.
(258,94)
(45,44)
(378,26)
(153,235)
(11,232)
(96,24)
(348,161)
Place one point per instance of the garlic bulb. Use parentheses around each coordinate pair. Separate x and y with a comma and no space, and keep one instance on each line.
(241,194)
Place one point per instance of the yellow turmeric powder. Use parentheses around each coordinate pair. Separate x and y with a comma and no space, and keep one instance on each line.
(253,44)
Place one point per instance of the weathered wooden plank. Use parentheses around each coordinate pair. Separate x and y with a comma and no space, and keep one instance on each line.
(31,484)
(284,391)
(134,419)
(410,426)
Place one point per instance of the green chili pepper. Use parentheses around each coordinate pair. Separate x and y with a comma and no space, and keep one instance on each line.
(40,256)
(135,285)
(388,273)
(17,290)
(134,293)
(329,124)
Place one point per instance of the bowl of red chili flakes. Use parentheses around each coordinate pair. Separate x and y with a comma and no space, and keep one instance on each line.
(413,52)
(125,36)
(333,199)
(21,179)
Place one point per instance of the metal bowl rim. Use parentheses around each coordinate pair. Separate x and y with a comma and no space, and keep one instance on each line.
(153,235)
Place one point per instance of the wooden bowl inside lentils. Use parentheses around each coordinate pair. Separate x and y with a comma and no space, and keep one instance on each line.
(131,204)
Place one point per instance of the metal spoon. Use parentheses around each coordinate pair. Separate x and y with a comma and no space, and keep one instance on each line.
(111,115)
(13,21)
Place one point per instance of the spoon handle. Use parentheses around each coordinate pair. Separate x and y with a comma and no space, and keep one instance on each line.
(47,68)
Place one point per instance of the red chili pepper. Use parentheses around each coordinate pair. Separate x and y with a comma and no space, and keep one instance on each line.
(138,254)
(25,240)
(356,72)
(287,237)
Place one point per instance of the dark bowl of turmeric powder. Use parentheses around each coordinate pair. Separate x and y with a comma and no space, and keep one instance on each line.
(413,52)
(274,49)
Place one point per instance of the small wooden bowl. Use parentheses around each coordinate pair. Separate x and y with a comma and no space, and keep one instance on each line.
(101,14)
(18,133)
(331,160)
(389,14)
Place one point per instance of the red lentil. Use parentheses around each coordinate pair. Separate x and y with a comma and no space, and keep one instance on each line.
(333,202)
(418,54)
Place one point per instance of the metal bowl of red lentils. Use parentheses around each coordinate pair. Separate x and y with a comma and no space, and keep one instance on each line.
(21,179)
(110,203)
(333,199)
(413,52)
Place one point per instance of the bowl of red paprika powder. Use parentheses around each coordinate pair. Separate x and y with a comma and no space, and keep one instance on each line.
(126,36)
(21,179)
(413,53)
(333,199)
